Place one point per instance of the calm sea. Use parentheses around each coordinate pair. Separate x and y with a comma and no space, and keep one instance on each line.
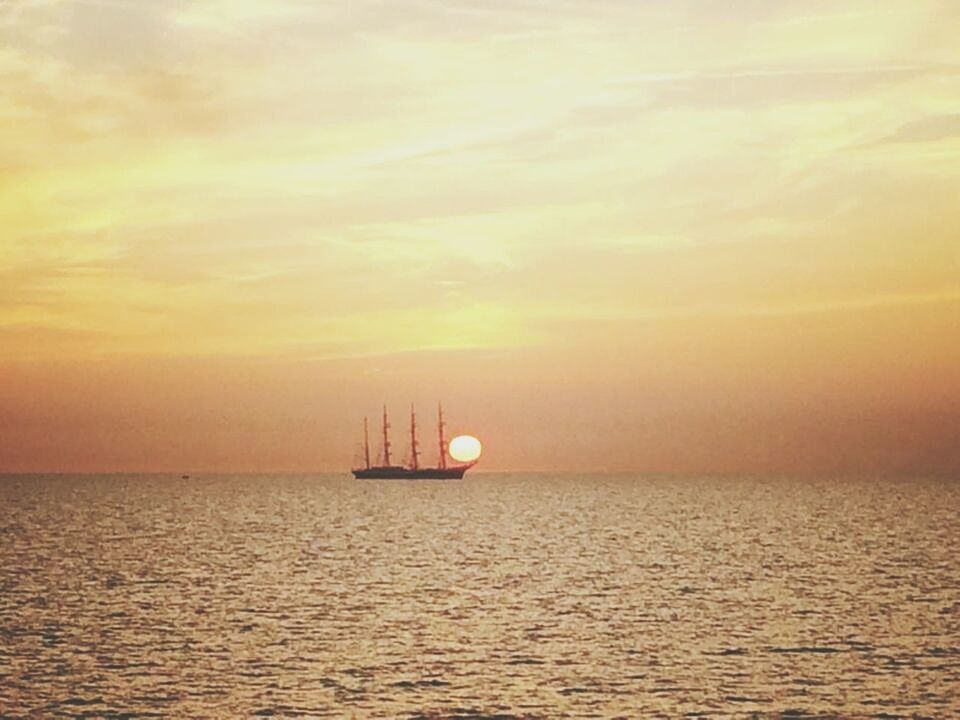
(500,596)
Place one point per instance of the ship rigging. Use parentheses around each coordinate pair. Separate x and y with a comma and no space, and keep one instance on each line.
(412,471)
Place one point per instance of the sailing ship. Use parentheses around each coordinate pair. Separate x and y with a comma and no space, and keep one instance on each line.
(412,471)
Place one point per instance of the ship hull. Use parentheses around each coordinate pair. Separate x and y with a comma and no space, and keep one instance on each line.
(395,472)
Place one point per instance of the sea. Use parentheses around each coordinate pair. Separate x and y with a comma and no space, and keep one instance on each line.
(499,596)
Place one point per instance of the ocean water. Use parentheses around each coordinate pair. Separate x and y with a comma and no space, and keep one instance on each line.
(501,596)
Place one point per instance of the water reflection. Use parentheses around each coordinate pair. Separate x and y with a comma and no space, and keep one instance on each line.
(499,596)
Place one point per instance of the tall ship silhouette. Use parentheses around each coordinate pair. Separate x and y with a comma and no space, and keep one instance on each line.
(413,470)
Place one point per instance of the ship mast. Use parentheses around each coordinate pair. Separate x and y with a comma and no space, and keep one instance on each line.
(386,438)
(443,441)
(414,450)
(366,443)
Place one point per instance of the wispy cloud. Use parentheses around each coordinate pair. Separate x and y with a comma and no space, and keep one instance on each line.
(927,129)
(163,166)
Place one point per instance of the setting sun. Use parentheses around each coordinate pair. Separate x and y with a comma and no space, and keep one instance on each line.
(465,448)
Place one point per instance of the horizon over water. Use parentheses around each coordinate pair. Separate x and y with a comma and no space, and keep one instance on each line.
(504,595)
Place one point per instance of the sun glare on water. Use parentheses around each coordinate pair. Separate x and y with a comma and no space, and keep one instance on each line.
(465,448)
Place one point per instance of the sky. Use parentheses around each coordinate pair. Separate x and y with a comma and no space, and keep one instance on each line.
(676,236)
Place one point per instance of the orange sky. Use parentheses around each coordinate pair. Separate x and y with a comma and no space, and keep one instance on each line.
(677,236)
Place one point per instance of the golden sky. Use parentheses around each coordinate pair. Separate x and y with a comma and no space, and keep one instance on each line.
(671,235)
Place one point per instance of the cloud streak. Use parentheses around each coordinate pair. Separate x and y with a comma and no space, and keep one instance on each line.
(330,160)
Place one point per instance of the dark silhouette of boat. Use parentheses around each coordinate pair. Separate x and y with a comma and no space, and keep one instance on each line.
(413,471)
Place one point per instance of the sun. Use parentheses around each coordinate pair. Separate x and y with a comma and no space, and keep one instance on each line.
(465,448)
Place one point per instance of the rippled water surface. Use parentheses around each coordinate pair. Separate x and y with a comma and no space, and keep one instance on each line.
(499,596)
